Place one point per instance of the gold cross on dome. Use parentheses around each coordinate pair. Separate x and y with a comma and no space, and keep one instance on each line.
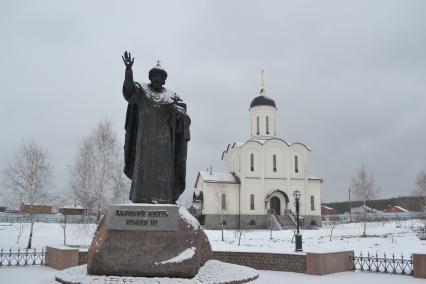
(262,82)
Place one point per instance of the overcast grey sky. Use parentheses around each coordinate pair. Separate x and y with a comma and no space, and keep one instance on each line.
(348,77)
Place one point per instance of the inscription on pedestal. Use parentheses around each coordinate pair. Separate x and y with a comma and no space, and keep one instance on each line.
(146,217)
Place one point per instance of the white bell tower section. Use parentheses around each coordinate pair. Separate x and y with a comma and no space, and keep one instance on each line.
(263,115)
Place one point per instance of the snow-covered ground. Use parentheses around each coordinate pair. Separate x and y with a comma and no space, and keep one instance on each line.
(25,275)
(382,238)
(36,274)
(45,234)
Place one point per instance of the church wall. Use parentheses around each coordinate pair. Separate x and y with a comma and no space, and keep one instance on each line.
(268,180)
(302,154)
(233,160)
(244,159)
(254,221)
(298,184)
(252,186)
(313,189)
(255,148)
(263,162)
(213,221)
(212,193)
(280,149)
(307,188)
(307,221)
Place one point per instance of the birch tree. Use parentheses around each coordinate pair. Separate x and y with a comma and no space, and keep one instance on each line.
(28,179)
(365,189)
(96,174)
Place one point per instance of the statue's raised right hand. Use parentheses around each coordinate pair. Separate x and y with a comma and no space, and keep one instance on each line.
(128,60)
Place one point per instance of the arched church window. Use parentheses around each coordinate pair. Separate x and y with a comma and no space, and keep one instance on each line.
(257,125)
(296,164)
(274,163)
(312,203)
(223,201)
(251,201)
(252,162)
(267,125)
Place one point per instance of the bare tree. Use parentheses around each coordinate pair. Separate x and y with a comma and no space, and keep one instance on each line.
(82,176)
(20,228)
(220,207)
(96,175)
(64,228)
(421,187)
(365,189)
(333,221)
(29,179)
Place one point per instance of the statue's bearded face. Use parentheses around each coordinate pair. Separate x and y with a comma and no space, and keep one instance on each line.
(157,81)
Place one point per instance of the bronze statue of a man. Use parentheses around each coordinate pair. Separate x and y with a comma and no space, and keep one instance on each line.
(157,133)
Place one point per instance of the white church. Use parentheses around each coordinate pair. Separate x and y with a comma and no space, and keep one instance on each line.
(262,173)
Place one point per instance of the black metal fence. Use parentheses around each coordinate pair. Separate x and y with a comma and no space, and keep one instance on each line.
(22,257)
(374,263)
(375,217)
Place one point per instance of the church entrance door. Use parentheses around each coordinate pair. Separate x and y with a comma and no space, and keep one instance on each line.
(275,205)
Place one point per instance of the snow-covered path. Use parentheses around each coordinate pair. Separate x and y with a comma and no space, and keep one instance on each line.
(273,277)
(25,275)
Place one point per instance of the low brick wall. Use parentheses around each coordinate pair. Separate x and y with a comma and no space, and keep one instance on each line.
(419,265)
(310,263)
(61,257)
(328,263)
(82,257)
(265,261)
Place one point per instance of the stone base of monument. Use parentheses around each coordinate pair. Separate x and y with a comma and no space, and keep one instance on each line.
(148,240)
(213,271)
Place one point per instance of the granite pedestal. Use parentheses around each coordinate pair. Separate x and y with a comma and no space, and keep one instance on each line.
(148,240)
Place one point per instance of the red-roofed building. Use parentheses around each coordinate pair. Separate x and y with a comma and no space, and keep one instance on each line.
(325,210)
(395,209)
(35,209)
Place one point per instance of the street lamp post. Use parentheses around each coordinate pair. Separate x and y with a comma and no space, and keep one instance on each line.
(297,195)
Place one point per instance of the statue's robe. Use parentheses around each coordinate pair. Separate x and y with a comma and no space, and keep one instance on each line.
(155,149)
